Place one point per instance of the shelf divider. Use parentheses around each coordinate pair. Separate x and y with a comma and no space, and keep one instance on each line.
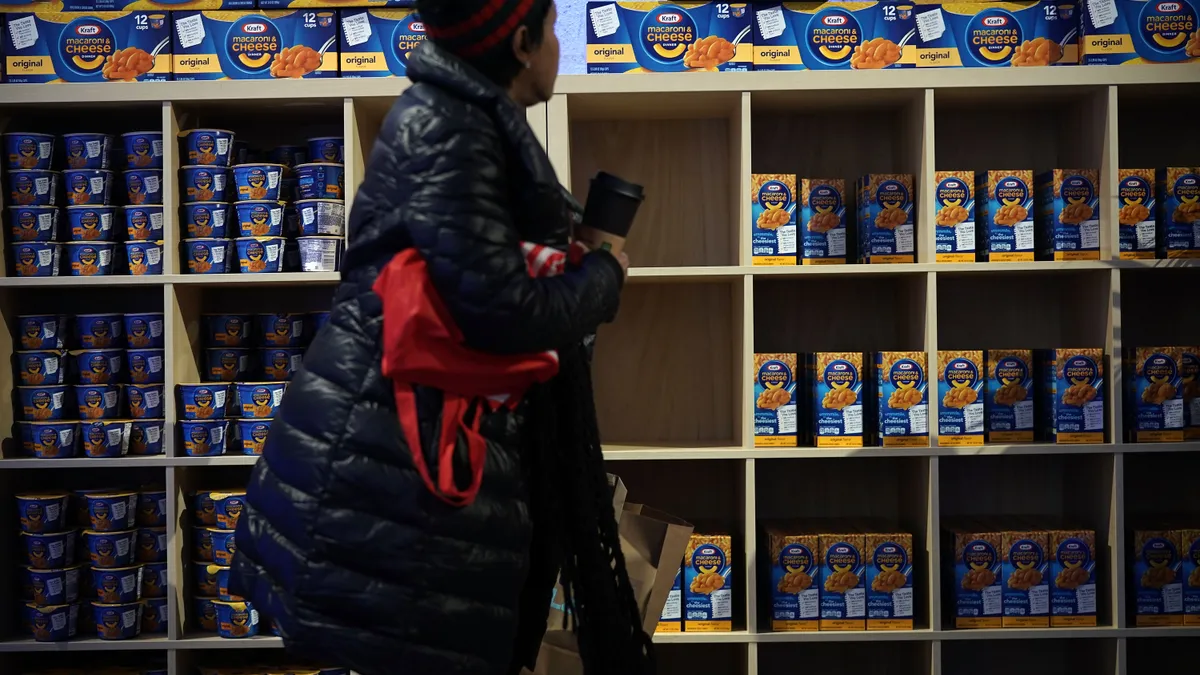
(1104,117)
(558,137)
(740,142)
(172,236)
(922,124)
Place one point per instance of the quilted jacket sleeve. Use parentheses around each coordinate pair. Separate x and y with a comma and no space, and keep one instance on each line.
(460,220)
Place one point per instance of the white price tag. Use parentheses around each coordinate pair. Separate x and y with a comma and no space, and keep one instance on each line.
(356,28)
(786,238)
(771,23)
(605,20)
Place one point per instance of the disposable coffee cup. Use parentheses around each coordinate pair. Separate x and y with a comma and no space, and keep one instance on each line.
(608,215)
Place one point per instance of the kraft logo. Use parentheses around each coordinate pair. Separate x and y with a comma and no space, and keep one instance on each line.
(774,188)
(669,17)
(417,27)
(1168,6)
(839,366)
(1158,544)
(254,28)
(906,366)
(708,550)
(1188,181)
(834,21)
(1026,547)
(889,549)
(953,184)
(995,21)
(1010,183)
(774,366)
(1072,546)
(1159,361)
(841,549)
(87,30)
(978,547)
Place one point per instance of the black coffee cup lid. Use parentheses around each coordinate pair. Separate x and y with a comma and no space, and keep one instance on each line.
(615,184)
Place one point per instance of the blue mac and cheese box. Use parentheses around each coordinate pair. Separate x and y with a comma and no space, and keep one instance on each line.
(1155,408)
(960,390)
(902,388)
(254,45)
(1004,206)
(377,42)
(1009,404)
(160,5)
(640,37)
(331,4)
(51,47)
(841,393)
(886,231)
(1137,227)
(1072,397)
(1068,213)
(989,34)
(773,236)
(834,35)
(1179,211)
(1132,32)
(823,219)
(954,220)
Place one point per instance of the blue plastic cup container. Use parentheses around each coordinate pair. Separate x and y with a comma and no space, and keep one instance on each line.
(42,331)
(40,367)
(87,151)
(320,254)
(98,401)
(90,258)
(252,435)
(207,147)
(27,150)
(145,366)
(146,437)
(259,218)
(99,366)
(49,440)
(50,550)
(34,223)
(281,329)
(91,223)
(143,149)
(144,257)
(44,403)
(117,621)
(90,187)
(226,364)
(207,401)
(146,401)
(205,219)
(144,330)
(144,223)
(117,585)
(206,256)
(260,255)
(42,511)
(204,438)
(226,330)
(152,545)
(203,184)
(109,549)
(290,156)
(321,180)
(326,149)
(59,586)
(33,187)
(99,331)
(257,182)
(280,364)
(143,186)
(36,259)
(51,623)
(321,217)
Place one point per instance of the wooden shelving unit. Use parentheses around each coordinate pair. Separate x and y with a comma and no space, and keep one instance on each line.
(673,374)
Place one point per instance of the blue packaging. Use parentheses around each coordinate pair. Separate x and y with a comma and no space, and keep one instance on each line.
(117,621)
(204,438)
(317,217)
(40,367)
(318,319)
(1004,203)
(50,586)
(843,581)
(43,403)
(50,550)
(104,438)
(205,576)
(1025,579)
(258,400)
(143,149)
(773,235)
(51,623)
(226,330)
(260,218)
(885,218)
(144,223)
(33,223)
(91,223)
(379,51)
(834,35)
(253,435)
(257,182)
(111,511)
(320,254)
(144,330)
(841,395)
(260,255)
(321,180)
(223,546)
(207,147)
(98,401)
(1135,32)
(109,549)
(48,440)
(221,576)
(954,206)
(80,47)
(901,385)
(226,365)
(203,183)
(151,544)
(253,45)
(88,187)
(290,156)
(99,331)
(143,186)
(202,544)
(206,613)
(154,616)
(326,148)
(146,366)
(33,187)
(90,258)
(205,219)
(236,619)
(961,380)
(152,508)
(206,256)
(977,578)
(146,401)
(146,437)
(99,366)
(639,37)
(154,580)
(822,221)
(1009,404)
(204,507)
(1067,203)
(228,507)
(37,259)
(42,331)
(42,512)
(280,364)
(1018,33)
(118,584)
(28,150)
(203,401)
(87,151)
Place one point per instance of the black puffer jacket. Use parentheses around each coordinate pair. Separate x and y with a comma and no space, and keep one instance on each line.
(341,542)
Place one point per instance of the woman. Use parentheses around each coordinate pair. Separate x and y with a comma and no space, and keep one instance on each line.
(375,554)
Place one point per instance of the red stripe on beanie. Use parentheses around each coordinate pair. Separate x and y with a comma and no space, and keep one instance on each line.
(499,34)
(455,30)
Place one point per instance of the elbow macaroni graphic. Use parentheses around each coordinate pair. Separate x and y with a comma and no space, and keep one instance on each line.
(1027,33)
(212,45)
(87,46)
(834,36)
(639,37)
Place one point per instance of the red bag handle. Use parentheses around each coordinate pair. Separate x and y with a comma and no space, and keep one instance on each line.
(454,410)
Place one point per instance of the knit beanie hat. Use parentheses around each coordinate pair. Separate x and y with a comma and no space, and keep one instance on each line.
(469,28)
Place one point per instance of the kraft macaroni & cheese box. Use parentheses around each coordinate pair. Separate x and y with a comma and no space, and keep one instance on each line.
(1189,378)
(162,6)
(773,219)
(1072,396)
(642,37)
(833,35)
(1156,577)
(1190,553)
(843,587)
(900,380)
(1155,410)
(886,228)
(776,404)
(795,578)
(53,47)
(331,4)
(823,217)
(977,568)
(954,230)
(1137,235)
(960,390)
(377,42)
(255,45)
(1068,206)
(990,34)
(1179,211)
(840,394)
(1073,577)
(889,581)
(708,581)
(670,620)
(1004,202)
(1025,579)
(1132,32)
(1010,394)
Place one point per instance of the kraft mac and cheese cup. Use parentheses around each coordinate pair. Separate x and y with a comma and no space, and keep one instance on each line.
(226,364)
(51,586)
(320,217)
(146,401)
(111,511)
(317,320)
(87,151)
(258,400)
(104,438)
(203,184)
(88,186)
(252,435)
(33,187)
(154,616)
(27,150)
(146,366)
(51,623)
(90,258)
(206,256)
(117,585)
(204,438)
(98,401)
(42,331)
(202,544)
(325,149)
(91,223)
(154,580)
(143,149)
(144,257)
(281,329)
(33,223)
(206,147)
(259,218)
(144,223)
(152,508)
(99,331)
(151,545)
(50,550)
(43,403)
(36,259)
(206,613)
(99,366)
(109,549)
(290,156)
(320,180)
(117,621)
(205,219)
(220,575)
(40,367)
(260,255)
(205,577)
(228,506)
(236,619)
(204,508)
(48,440)
(143,186)
(257,181)
(43,511)
(320,254)
(144,329)
(280,364)
(206,401)
(146,437)
(226,330)
(223,546)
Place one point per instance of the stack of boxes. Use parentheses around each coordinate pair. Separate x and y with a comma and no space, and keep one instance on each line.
(702,596)
(1159,213)
(1165,576)
(1162,394)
